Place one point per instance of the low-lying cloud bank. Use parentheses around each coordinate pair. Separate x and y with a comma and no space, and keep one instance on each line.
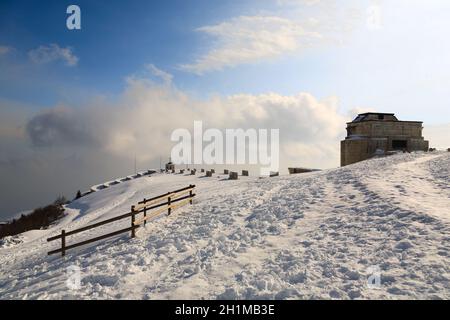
(142,122)
(66,148)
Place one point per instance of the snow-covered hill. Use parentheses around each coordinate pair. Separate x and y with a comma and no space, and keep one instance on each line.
(317,235)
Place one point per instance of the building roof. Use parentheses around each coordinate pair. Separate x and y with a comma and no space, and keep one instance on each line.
(378,116)
(377,113)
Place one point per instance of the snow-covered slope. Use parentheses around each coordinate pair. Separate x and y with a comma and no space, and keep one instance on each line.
(317,235)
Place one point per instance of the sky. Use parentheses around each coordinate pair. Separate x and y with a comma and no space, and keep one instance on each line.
(77,106)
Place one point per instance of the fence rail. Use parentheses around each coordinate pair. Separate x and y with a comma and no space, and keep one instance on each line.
(175,199)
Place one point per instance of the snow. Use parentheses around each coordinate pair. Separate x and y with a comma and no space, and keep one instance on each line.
(311,236)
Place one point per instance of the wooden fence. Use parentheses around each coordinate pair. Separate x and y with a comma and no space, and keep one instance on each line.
(166,202)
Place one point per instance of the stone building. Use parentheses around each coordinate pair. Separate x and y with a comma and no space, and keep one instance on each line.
(373,134)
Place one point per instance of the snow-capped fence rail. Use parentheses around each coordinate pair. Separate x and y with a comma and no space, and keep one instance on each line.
(166,202)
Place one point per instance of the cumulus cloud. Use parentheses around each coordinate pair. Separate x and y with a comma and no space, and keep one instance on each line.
(147,113)
(66,148)
(51,53)
(248,39)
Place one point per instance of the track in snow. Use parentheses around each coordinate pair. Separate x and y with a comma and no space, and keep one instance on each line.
(296,237)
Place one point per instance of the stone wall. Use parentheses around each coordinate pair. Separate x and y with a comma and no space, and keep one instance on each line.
(385,129)
(354,151)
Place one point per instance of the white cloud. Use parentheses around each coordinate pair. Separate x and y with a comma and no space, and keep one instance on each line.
(71,148)
(163,75)
(53,52)
(148,113)
(291,27)
(249,39)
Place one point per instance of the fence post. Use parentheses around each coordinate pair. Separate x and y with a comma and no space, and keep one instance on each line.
(169,210)
(145,213)
(190,196)
(133,233)
(63,243)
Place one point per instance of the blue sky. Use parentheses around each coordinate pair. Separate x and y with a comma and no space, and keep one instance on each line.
(116,40)
(77,105)
(369,68)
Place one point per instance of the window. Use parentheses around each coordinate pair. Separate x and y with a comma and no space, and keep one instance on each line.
(381,117)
